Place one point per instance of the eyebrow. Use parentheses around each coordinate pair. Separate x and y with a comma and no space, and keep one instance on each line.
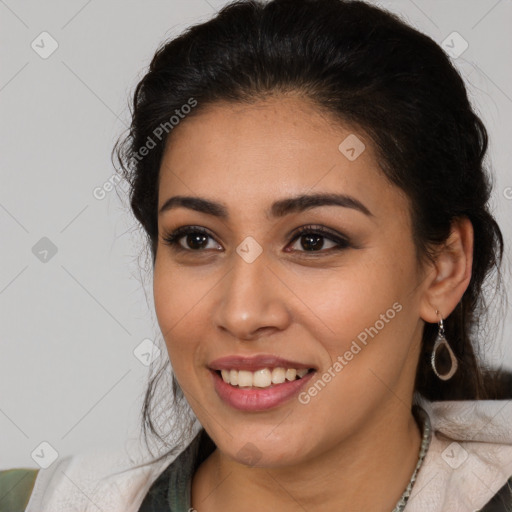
(278,209)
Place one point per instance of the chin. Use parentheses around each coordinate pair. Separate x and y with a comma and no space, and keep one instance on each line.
(260,451)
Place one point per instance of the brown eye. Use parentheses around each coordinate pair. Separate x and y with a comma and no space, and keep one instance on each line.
(313,242)
(312,239)
(195,239)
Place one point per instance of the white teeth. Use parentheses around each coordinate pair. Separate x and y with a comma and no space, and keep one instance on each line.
(244,378)
(262,378)
(278,375)
(291,374)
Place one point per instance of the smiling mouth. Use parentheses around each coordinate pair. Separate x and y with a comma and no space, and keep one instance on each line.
(263,378)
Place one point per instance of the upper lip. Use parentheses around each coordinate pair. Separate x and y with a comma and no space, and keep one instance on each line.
(253,363)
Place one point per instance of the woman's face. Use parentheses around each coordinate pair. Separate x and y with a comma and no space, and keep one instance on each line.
(259,300)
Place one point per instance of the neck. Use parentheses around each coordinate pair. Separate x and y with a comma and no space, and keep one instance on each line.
(368,471)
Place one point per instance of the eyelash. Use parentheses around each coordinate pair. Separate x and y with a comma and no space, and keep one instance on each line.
(172,239)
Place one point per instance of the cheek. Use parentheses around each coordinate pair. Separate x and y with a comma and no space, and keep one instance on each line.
(343,303)
(178,293)
(177,304)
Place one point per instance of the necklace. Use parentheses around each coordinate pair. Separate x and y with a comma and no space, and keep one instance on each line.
(425,443)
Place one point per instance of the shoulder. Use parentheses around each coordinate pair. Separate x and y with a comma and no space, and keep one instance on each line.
(468,465)
(16,487)
(114,479)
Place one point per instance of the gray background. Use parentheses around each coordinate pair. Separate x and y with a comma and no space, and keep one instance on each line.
(69,325)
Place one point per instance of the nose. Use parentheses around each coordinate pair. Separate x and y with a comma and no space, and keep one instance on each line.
(252,300)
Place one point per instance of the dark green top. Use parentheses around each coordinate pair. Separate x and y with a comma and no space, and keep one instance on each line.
(171,491)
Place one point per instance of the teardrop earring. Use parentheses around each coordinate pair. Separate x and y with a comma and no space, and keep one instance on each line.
(441,341)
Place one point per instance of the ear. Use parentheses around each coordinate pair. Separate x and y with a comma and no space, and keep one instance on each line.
(451,273)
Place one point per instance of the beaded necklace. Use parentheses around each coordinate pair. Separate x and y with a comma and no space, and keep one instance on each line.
(425,443)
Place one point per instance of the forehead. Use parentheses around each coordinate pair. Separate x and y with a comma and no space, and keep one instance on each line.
(257,153)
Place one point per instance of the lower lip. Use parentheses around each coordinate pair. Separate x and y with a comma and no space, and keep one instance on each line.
(258,399)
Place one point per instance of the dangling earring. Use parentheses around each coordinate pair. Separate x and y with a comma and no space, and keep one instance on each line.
(441,340)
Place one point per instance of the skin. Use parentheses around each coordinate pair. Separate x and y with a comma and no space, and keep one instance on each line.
(354,446)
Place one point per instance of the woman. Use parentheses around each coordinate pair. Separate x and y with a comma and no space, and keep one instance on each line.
(309,175)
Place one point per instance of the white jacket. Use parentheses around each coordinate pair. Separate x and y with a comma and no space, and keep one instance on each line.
(468,461)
